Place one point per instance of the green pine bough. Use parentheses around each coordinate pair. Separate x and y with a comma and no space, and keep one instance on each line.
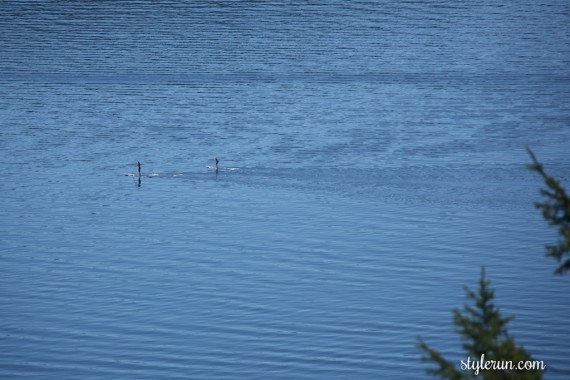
(490,352)
(556,211)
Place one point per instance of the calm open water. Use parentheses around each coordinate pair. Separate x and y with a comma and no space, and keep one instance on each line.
(381,147)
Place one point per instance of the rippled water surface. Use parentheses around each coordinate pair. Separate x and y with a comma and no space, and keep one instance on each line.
(381,155)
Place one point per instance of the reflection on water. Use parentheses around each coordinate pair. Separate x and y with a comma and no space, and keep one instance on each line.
(380,149)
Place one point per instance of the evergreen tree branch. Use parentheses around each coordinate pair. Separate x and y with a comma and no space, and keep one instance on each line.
(556,211)
(483,331)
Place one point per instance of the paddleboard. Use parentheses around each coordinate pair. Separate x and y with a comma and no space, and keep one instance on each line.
(221,168)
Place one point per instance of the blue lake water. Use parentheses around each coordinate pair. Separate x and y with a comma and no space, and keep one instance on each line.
(381,154)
